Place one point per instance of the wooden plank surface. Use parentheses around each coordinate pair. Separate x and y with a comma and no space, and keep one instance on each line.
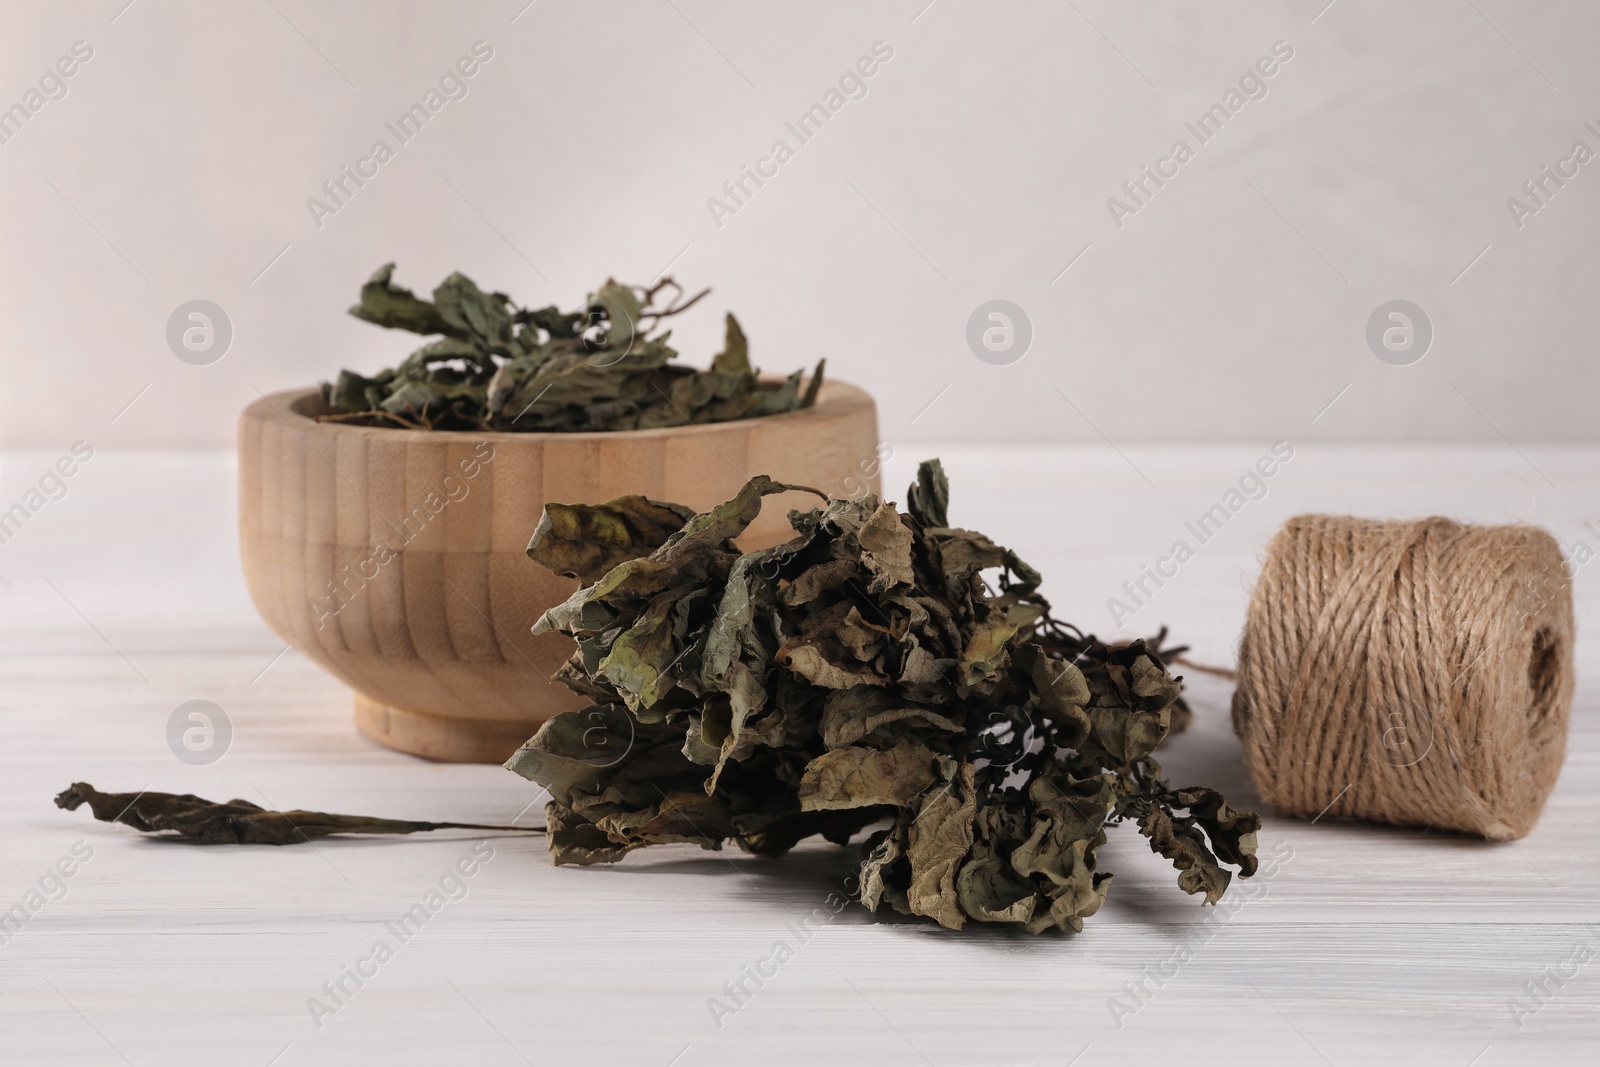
(123,600)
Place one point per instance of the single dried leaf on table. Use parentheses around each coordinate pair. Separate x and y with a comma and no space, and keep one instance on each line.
(238,822)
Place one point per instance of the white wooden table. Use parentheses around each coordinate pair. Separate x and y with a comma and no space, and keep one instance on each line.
(1368,945)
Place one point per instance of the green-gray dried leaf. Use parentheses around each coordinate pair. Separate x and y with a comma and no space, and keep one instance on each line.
(857,777)
(238,822)
(585,541)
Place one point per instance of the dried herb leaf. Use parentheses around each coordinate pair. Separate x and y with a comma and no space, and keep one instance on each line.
(856,776)
(585,541)
(238,822)
(938,839)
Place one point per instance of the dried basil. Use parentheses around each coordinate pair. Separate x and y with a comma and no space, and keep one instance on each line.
(238,822)
(602,367)
(863,672)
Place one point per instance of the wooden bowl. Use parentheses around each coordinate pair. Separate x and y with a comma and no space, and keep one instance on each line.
(397,558)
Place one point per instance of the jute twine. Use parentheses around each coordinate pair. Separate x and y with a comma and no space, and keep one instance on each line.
(1417,673)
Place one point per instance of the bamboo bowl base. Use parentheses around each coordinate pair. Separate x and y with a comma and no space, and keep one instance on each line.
(448,739)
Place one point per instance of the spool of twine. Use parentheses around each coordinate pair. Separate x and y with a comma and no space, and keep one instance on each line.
(1417,673)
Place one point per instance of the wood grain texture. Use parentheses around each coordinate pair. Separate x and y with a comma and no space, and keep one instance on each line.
(1370,945)
(396,558)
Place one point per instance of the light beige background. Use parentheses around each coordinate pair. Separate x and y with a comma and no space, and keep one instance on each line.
(978,165)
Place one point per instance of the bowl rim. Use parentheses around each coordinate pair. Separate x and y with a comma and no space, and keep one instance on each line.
(835,397)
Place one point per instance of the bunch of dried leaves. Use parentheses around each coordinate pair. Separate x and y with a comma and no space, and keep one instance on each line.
(863,671)
(499,367)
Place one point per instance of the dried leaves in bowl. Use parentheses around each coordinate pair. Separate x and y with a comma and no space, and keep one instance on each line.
(603,366)
(862,672)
